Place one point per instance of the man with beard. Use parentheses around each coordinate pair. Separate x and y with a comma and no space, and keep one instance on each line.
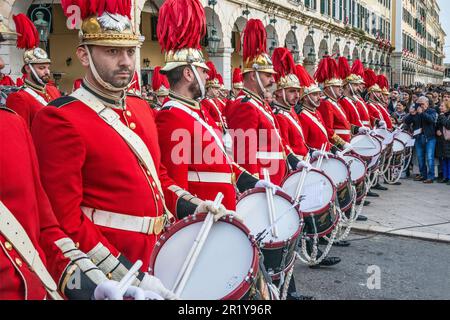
(191,142)
(99,155)
(36,92)
(251,116)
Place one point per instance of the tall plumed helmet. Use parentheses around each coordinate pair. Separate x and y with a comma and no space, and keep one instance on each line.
(28,39)
(371,80)
(255,48)
(284,66)
(307,83)
(221,83)
(104,22)
(383,83)
(160,84)
(327,72)
(213,79)
(357,71)
(181,26)
(238,81)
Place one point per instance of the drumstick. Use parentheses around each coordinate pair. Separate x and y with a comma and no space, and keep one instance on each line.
(270,204)
(192,257)
(128,279)
(298,192)
(319,161)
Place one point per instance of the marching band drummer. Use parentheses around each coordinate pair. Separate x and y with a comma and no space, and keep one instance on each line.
(99,155)
(36,93)
(161,87)
(198,167)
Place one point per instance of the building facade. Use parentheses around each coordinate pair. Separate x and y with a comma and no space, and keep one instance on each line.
(309,28)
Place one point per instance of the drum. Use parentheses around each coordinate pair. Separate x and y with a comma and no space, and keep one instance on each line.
(317,206)
(366,147)
(358,172)
(227,266)
(405,137)
(398,152)
(338,171)
(278,251)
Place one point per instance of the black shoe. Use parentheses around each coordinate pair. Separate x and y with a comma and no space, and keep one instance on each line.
(366,203)
(372,194)
(361,218)
(443,180)
(298,296)
(327,262)
(342,243)
(398,183)
(379,187)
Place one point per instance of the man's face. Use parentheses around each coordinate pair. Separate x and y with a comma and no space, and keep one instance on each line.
(435,96)
(292,95)
(315,99)
(446,97)
(194,86)
(213,92)
(268,97)
(394,95)
(42,70)
(115,65)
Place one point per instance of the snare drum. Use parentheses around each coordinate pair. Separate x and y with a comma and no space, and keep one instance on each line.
(366,147)
(227,266)
(337,169)
(398,152)
(358,172)
(317,206)
(278,251)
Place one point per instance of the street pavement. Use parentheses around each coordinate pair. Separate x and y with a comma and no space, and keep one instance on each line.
(383,265)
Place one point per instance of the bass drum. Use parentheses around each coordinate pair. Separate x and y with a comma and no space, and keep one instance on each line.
(318,198)
(227,266)
(279,250)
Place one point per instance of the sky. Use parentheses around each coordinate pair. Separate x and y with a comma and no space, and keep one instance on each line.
(445,21)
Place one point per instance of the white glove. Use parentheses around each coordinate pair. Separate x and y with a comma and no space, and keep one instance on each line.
(109,290)
(363,130)
(268,185)
(303,164)
(208,206)
(382,124)
(316,154)
(151,283)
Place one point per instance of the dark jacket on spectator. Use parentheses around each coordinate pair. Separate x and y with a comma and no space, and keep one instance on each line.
(412,122)
(443,122)
(428,122)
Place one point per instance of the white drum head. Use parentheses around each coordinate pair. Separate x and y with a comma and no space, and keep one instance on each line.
(318,190)
(254,210)
(222,265)
(404,137)
(357,167)
(398,146)
(374,161)
(366,145)
(335,169)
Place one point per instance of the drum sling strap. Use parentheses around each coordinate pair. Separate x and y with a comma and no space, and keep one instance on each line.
(137,146)
(13,231)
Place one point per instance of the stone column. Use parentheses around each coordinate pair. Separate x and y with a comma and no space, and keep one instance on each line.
(222,61)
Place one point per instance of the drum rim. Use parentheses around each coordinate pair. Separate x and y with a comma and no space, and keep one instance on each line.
(342,185)
(355,182)
(333,197)
(367,157)
(327,231)
(245,285)
(403,144)
(277,276)
(278,244)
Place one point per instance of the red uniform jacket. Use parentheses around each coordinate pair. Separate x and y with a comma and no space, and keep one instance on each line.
(316,134)
(363,111)
(257,143)
(214,108)
(192,156)
(26,105)
(85,162)
(385,114)
(335,119)
(351,111)
(22,193)
(291,131)
(375,113)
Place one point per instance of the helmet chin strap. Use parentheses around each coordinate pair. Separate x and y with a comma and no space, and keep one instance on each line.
(315,104)
(35,76)
(200,83)
(97,77)
(284,98)
(351,89)
(334,94)
(258,79)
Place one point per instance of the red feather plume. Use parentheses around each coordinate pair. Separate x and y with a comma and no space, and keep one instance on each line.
(343,68)
(357,68)
(181,24)
(255,39)
(370,78)
(212,72)
(283,63)
(237,75)
(98,7)
(383,82)
(159,80)
(220,78)
(28,36)
(326,70)
(303,76)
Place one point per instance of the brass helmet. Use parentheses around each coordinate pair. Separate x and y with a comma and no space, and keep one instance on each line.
(284,67)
